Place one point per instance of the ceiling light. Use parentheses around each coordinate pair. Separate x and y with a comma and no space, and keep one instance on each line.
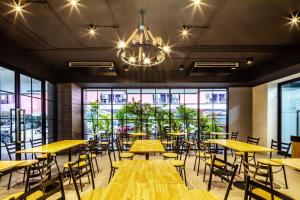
(142,48)
(92,30)
(233,68)
(167,49)
(17,7)
(185,32)
(197,2)
(121,44)
(249,61)
(294,19)
(126,68)
(181,68)
(74,3)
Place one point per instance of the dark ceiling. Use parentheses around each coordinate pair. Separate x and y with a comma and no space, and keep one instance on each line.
(233,31)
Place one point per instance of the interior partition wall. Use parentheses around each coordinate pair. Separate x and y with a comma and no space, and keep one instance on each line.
(289,110)
(27,104)
(109,110)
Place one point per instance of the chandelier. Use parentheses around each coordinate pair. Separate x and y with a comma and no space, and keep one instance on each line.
(142,49)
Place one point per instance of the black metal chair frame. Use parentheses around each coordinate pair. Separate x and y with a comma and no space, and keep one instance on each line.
(226,173)
(250,140)
(250,185)
(77,172)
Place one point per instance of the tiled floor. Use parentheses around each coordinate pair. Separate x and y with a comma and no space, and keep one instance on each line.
(194,181)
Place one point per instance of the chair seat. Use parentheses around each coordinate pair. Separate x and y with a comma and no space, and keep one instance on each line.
(269,162)
(116,164)
(217,163)
(266,195)
(33,196)
(203,155)
(81,164)
(94,194)
(126,155)
(169,155)
(177,163)
(240,153)
(84,156)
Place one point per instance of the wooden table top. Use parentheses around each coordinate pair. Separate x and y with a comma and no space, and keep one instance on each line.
(241,146)
(178,134)
(145,179)
(137,134)
(290,162)
(147,146)
(8,164)
(54,147)
(219,133)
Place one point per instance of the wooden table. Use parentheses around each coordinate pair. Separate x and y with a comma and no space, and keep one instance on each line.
(8,164)
(290,162)
(147,146)
(217,134)
(55,147)
(178,134)
(242,147)
(145,179)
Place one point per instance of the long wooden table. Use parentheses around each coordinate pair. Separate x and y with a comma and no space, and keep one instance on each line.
(147,146)
(290,162)
(148,180)
(55,147)
(8,164)
(242,147)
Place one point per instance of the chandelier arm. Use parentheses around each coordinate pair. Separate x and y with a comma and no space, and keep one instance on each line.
(131,36)
(140,55)
(153,39)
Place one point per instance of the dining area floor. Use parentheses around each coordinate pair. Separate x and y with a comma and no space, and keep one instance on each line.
(193,181)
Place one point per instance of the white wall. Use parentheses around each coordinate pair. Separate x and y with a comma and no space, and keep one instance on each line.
(240,111)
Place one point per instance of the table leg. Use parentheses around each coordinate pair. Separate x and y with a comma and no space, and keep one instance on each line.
(242,184)
(48,162)
(70,155)
(225,154)
(147,156)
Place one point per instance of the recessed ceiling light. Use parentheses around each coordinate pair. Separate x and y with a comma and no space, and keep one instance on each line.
(185,32)
(17,7)
(233,68)
(294,19)
(197,2)
(92,30)
(126,68)
(181,68)
(249,61)
(74,3)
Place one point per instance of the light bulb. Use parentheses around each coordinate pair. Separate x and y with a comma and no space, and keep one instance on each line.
(132,59)
(121,44)
(166,49)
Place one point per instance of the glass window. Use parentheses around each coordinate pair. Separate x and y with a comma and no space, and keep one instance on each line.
(25,85)
(290,110)
(7,80)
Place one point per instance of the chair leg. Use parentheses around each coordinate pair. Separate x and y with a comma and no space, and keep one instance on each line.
(240,165)
(111,174)
(9,180)
(285,179)
(198,168)
(97,164)
(195,163)
(184,172)
(55,160)
(24,175)
(204,172)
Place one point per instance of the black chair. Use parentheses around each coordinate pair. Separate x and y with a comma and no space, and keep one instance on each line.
(79,170)
(226,172)
(45,190)
(234,135)
(90,149)
(180,162)
(11,152)
(123,154)
(251,156)
(202,153)
(284,149)
(114,163)
(42,157)
(262,192)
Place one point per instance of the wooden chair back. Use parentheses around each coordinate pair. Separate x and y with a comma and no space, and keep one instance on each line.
(226,172)
(37,174)
(261,173)
(11,150)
